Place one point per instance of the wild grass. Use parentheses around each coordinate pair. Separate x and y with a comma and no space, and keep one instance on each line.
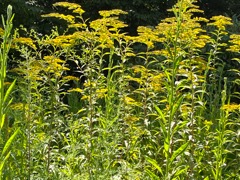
(161,105)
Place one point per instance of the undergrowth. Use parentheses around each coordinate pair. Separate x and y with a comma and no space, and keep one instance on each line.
(88,104)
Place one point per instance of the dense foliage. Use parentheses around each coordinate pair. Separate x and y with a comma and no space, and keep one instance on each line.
(92,102)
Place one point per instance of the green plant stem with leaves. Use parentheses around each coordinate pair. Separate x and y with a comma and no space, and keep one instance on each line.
(6,139)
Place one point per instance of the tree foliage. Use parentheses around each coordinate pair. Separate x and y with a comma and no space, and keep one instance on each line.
(140,12)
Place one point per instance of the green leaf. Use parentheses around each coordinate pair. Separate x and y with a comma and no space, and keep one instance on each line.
(3,162)
(9,90)
(154,163)
(166,147)
(162,120)
(152,175)
(160,113)
(180,171)
(177,105)
(3,120)
(9,142)
(179,151)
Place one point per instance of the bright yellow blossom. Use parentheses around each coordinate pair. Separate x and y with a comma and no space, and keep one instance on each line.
(220,22)
(25,41)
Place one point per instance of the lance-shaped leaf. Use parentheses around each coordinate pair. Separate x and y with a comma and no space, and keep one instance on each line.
(179,151)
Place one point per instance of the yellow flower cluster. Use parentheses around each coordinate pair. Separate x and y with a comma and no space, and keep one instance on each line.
(68,5)
(235,40)
(231,107)
(68,18)
(105,24)
(84,36)
(32,72)
(71,78)
(130,101)
(24,41)
(71,6)
(101,93)
(147,36)
(76,90)
(53,65)
(107,28)
(112,12)
(220,22)
(63,41)
(77,26)
(156,82)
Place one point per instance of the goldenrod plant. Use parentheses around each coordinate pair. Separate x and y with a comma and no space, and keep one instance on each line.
(158,105)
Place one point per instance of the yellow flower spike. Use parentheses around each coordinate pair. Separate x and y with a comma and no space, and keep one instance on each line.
(156,82)
(200,19)
(68,5)
(131,101)
(76,90)
(235,40)
(231,107)
(71,78)
(101,93)
(68,18)
(78,11)
(220,22)
(147,36)
(85,36)
(105,25)
(89,84)
(63,41)
(107,13)
(129,39)
(77,25)
(25,41)
(53,65)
